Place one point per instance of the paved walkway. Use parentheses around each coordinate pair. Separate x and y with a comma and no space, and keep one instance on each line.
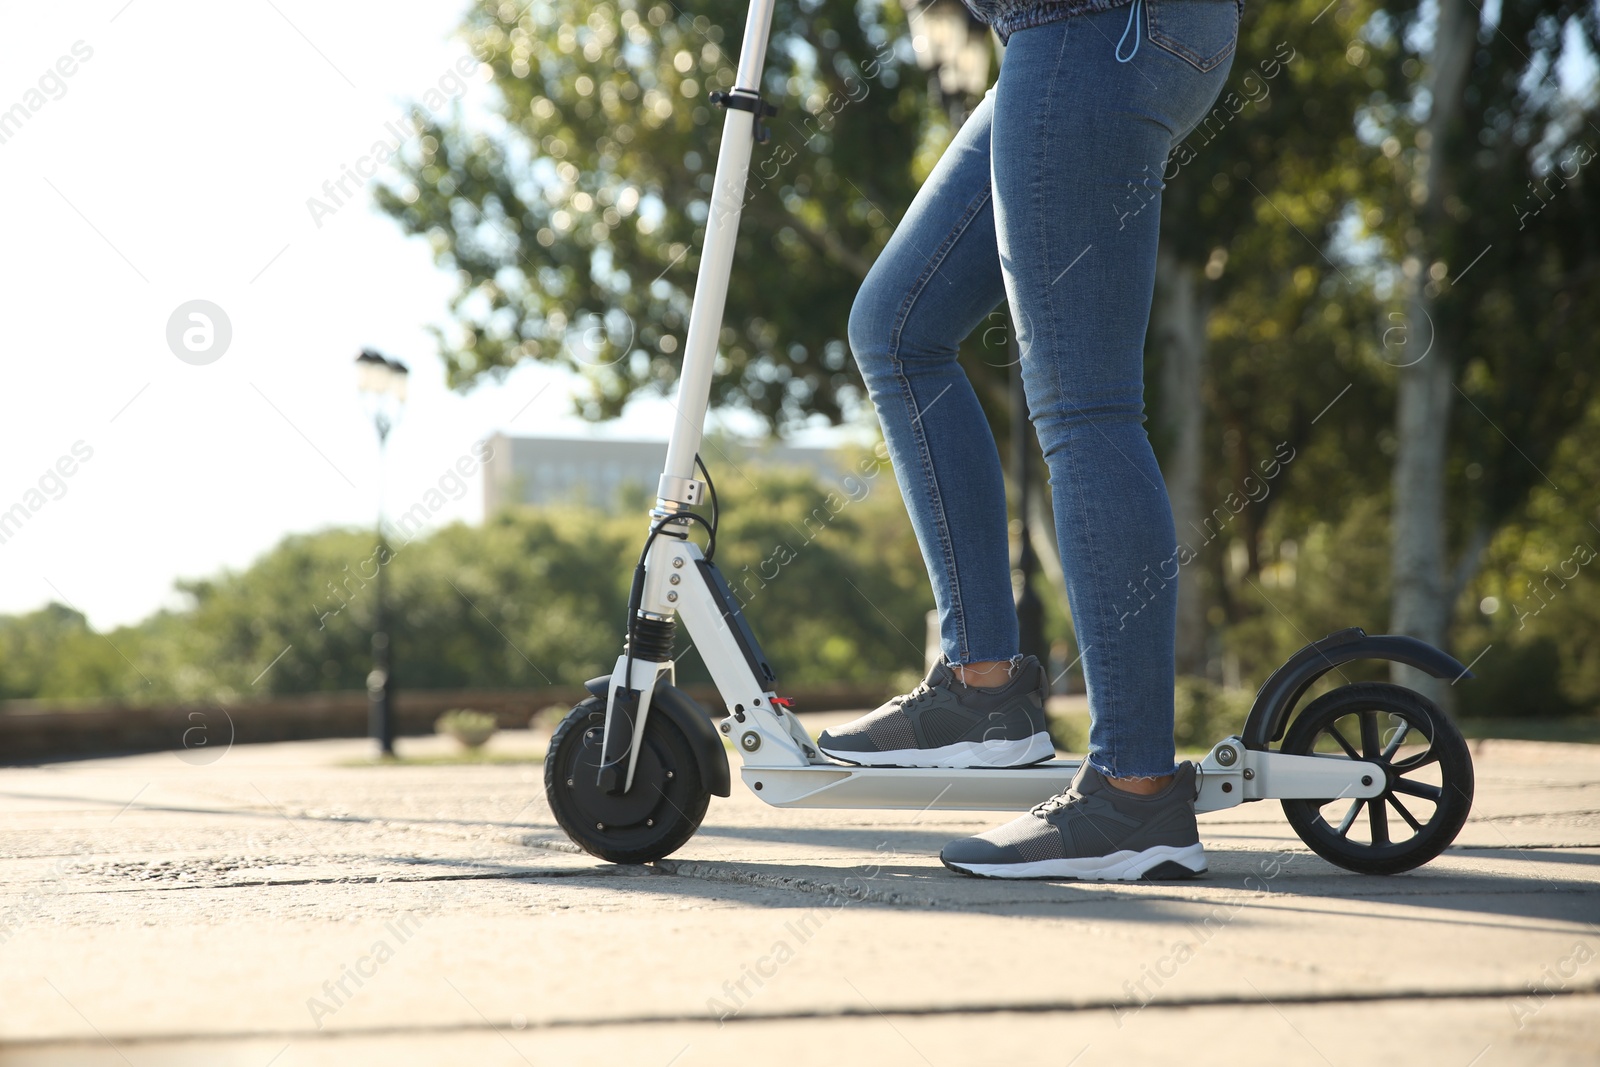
(280,906)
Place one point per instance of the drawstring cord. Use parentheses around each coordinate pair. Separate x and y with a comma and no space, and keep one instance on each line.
(1133,28)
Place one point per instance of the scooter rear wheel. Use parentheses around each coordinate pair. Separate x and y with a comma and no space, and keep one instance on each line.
(653,819)
(1426,762)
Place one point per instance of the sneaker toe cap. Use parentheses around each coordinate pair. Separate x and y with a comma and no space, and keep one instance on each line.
(970,850)
(845,740)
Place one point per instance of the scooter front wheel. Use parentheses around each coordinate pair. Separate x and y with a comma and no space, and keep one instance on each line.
(653,819)
(1426,763)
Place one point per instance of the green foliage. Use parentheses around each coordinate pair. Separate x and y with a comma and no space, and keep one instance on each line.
(575,218)
(1517,205)
(1302,213)
(1204,712)
(829,575)
(1310,583)
(1532,610)
(1069,733)
(52,653)
(1521,683)
(1256,198)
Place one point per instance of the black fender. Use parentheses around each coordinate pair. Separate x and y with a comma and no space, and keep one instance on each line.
(695,723)
(1282,690)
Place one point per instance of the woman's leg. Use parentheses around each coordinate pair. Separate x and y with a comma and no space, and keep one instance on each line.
(1079,144)
(933,284)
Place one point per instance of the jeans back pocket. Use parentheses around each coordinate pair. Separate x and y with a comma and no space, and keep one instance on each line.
(1203,33)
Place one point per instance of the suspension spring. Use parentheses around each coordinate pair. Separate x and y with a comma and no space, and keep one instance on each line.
(652,639)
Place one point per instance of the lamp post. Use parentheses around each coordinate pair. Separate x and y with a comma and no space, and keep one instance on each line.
(382,385)
(956,48)
(1030,611)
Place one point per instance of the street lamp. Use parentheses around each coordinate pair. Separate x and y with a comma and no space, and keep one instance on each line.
(1030,611)
(955,47)
(382,385)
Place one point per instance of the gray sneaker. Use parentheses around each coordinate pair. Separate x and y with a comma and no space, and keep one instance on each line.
(1092,831)
(944,722)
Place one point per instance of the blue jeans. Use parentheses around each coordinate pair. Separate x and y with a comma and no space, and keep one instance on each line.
(1049,198)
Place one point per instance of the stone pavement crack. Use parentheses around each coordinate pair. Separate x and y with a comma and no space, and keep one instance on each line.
(382,879)
(975,1009)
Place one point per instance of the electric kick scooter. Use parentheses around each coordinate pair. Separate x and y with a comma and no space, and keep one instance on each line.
(631,770)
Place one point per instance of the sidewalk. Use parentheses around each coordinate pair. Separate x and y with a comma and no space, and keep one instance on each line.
(279,906)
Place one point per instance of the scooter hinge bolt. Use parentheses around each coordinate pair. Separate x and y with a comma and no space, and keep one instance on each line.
(1226,755)
(751,741)
(675,579)
(672,597)
(677,561)
(1249,773)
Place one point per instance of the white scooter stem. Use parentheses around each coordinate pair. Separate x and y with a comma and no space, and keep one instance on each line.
(716,259)
(678,489)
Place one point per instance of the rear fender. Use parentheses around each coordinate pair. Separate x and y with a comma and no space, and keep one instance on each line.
(1279,694)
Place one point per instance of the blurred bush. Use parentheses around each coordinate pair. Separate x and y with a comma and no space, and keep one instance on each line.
(1523,682)
(1069,732)
(1204,712)
(829,576)
(471,729)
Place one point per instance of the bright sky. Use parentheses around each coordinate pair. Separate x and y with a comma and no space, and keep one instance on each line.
(174,164)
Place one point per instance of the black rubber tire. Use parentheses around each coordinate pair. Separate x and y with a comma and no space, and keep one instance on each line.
(654,819)
(1446,746)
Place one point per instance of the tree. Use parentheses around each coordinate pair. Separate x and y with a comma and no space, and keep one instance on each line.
(52,652)
(1500,140)
(574,220)
(1260,326)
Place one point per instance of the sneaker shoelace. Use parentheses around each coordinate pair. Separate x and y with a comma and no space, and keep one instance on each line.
(916,696)
(1065,798)
(921,693)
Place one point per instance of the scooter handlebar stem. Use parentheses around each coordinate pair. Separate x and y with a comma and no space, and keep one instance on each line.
(716,263)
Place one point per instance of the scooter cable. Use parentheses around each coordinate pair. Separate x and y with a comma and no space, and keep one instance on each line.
(636,593)
(716,510)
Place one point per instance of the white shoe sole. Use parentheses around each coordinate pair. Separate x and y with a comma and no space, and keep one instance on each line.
(1035,749)
(1124,866)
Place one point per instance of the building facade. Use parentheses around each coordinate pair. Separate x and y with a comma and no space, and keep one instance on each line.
(603,473)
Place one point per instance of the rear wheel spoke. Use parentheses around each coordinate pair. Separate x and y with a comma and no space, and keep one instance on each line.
(1333,732)
(1371,746)
(1410,819)
(1399,738)
(1417,789)
(1349,817)
(1422,759)
(1378,816)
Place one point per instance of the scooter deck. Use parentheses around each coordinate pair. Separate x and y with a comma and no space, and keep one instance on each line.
(1228,776)
(917,788)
